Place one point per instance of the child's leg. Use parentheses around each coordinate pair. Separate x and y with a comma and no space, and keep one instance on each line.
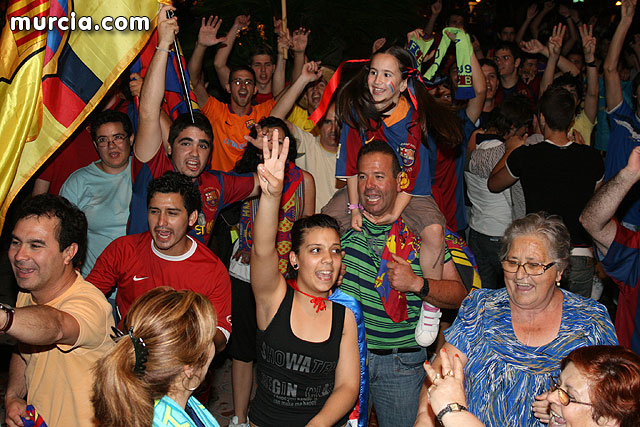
(432,251)
(423,217)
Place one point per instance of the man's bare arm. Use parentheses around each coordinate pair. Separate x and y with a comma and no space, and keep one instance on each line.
(149,136)
(597,216)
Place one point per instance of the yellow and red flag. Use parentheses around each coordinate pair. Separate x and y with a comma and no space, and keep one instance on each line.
(51,78)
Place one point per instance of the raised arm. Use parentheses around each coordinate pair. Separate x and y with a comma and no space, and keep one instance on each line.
(436,8)
(535,25)
(278,82)
(532,11)
(44,325)
(222,55)
(310,72)
(573,33)
(299,46)
(554,47)
(591,95)
(474,106)
(597,216)
(207,36)
(266,281)
(149,137)
(613,92)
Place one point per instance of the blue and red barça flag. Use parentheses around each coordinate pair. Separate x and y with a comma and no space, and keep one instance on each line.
(52,77)
(174,102)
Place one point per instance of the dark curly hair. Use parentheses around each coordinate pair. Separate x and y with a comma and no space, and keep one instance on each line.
(73,222)
(252,155)
(174,182)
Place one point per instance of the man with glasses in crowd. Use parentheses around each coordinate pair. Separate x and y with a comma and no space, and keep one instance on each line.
(102,190)
(232,121)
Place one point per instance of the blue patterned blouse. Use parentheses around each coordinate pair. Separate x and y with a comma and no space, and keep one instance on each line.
(502,375)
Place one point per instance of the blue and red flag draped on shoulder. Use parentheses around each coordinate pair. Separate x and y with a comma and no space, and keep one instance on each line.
(174,103)
(52,78)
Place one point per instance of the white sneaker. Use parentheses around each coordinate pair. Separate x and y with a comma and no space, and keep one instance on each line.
(428,324)
(234,422)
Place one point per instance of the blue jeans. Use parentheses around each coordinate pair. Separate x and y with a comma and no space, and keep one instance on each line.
(394,384)
(486,249)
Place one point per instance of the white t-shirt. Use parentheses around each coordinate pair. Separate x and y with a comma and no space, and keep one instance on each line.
(490,212)
(319,162)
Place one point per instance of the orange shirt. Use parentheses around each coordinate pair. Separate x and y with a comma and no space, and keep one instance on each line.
(229,130)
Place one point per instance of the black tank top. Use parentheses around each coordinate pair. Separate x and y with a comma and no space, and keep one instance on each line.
(295,377)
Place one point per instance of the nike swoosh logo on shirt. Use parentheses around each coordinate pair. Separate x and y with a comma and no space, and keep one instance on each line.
(137,279)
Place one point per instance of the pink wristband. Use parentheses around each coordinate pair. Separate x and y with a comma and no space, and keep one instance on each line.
(353,206)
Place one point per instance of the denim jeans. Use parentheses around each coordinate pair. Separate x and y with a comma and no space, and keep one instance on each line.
(486,249)
(394,384)
(580,275)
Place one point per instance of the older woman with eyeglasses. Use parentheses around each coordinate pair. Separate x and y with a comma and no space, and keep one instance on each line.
(511,340)
(598,386)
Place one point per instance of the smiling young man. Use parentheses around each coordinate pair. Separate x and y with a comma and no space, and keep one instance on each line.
(166,255)
(102,190)
(232,121)
(62,323)
(188,151)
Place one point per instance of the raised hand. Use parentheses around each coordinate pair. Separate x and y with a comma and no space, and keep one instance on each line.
(167,27)
(259,135)
(300,39)
(208,35)
(588,42)
(532,11)
(628,8)
(241,22)
(555,41)
(271,171)
(377,45)
(135,84)
(277,25)
(311,71)
(436,7)
(284,41)
(532,46)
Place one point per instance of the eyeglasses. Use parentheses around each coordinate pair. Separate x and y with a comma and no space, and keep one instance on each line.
(117,139)
(530,268)
(563,396)
(246,82)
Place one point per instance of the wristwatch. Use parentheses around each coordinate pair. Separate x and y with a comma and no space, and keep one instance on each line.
(10,312)
(451,407)
(424,291)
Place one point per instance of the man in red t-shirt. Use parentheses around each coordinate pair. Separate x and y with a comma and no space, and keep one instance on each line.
(165,255)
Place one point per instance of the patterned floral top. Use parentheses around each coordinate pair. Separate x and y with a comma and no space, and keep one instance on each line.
(502,375)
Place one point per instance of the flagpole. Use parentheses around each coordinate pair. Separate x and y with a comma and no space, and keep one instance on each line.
(284,26)
(183,79)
